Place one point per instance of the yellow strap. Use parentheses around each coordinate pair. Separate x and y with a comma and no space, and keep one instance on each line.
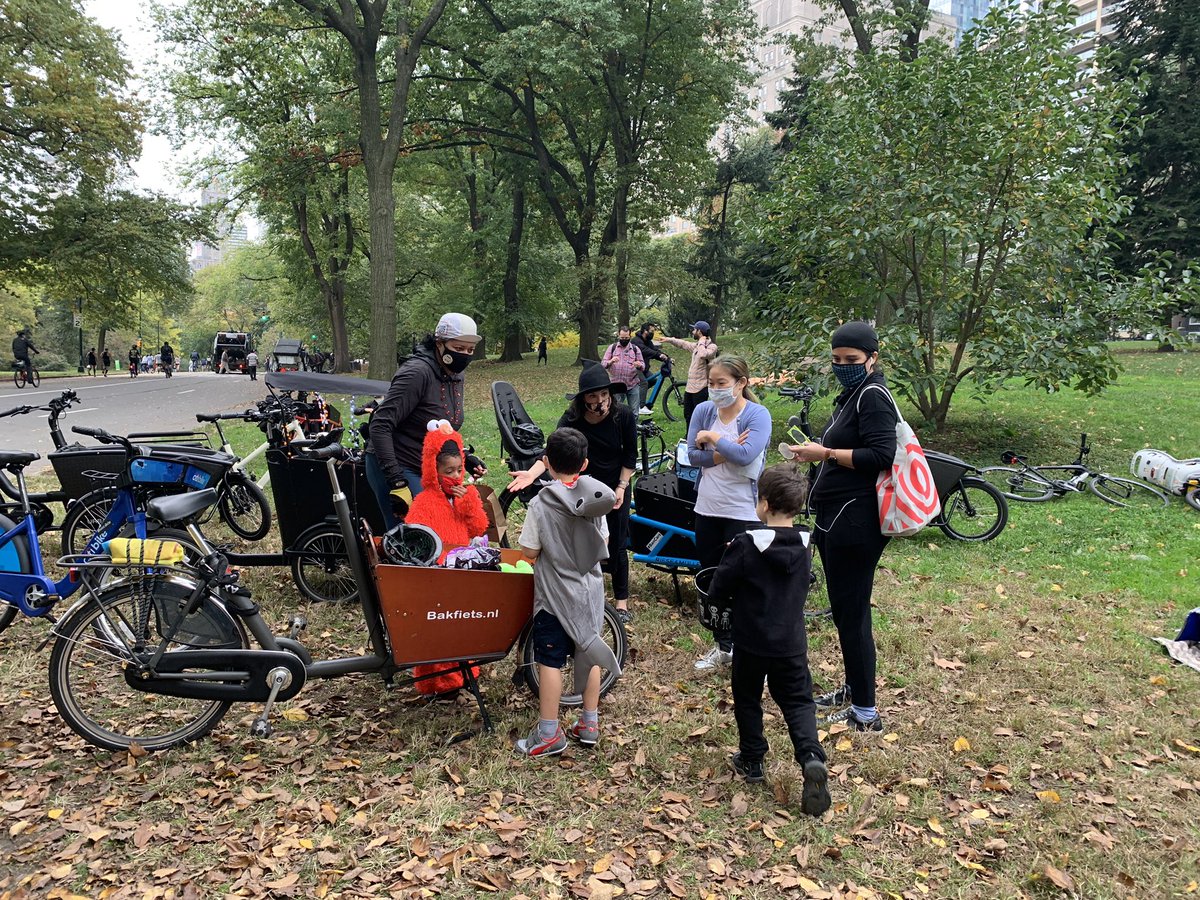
(145,552)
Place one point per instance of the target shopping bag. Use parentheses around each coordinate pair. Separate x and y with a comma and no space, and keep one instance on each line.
(907,496)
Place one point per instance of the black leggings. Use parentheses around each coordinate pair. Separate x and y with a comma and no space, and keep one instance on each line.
(690,402)
(618,550)
(712,534)
(850,544)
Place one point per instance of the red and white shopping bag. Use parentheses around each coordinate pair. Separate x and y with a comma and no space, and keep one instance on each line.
(907,496)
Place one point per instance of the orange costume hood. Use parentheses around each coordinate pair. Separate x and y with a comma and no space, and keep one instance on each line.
(457,521)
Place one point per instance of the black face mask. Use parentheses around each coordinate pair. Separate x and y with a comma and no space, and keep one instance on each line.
(455,361)
(623,341)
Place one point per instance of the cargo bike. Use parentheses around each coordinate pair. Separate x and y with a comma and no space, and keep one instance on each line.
(158,656)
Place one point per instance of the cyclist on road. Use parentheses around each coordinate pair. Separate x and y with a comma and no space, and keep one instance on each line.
(134,359)
(167,354)
(21,346)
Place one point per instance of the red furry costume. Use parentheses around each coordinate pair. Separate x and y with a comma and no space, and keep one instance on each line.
(455,521)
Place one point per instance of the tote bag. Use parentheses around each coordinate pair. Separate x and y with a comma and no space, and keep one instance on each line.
(906,494)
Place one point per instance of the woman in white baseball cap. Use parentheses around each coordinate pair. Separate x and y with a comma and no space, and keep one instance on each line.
(428,386)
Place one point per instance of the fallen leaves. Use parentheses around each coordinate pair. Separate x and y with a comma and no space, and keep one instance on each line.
(961,745)
(1059,878)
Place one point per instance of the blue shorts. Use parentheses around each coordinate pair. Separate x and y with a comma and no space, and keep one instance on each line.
(551,643)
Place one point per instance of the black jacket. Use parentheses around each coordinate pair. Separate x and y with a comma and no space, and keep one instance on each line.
(649,351)
(21,347)
(612,444)
(421,391)
(763,578)
(863,421)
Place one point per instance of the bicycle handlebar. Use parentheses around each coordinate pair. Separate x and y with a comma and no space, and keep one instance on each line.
(248,415)
(17,411)
(105,437)
(804,392)
(329,451)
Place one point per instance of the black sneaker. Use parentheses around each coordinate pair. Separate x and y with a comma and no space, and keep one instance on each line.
(624,616)
(856,724)
(815,799)
(751,771)
(838,697)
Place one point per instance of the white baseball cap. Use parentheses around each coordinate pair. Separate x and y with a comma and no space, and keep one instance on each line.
(457,327)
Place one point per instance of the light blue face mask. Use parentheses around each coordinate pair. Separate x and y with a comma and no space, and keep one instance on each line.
(723,397)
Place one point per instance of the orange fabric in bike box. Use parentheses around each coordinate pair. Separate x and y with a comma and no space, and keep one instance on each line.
(437,615)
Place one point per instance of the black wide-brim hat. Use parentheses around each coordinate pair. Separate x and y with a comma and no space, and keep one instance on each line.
(594,377)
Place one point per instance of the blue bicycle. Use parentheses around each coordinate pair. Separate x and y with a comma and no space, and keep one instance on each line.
(24,585)
(665,383)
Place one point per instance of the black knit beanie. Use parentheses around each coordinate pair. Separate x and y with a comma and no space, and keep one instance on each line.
(858,335)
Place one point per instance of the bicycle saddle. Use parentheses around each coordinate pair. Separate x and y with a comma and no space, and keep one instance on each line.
(17,459)
(175,507)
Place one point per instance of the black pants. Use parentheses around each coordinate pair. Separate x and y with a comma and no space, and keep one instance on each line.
(712,534)
(253,372)
(541,360)
(790,685)
(690,402)
(617,564)
(850,544)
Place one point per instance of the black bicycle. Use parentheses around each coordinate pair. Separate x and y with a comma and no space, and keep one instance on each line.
(1018,480)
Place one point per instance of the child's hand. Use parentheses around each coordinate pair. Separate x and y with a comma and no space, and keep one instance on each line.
(459,490)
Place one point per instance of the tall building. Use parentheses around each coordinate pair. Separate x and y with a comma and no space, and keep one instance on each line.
(1095,22)
(231,231)
(967,12)
(783,19)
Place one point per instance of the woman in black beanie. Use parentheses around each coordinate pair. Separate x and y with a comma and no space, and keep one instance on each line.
(858,443)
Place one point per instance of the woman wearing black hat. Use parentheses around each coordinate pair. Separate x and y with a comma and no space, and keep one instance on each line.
(858,443)
(611,432)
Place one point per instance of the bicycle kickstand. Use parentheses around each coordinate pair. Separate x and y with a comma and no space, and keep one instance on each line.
(278,678)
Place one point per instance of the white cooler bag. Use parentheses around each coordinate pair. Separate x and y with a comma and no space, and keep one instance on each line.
(1164,470)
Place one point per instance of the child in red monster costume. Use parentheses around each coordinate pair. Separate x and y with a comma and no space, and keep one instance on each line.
(455,511)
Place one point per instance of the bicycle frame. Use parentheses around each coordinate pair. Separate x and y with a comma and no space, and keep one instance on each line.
(34,593)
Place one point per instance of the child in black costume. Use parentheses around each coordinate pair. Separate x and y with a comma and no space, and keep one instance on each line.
(763,578)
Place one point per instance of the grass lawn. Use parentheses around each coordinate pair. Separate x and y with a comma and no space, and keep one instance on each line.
(1038,743)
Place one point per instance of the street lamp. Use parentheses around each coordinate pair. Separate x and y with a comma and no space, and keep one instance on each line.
(79,325)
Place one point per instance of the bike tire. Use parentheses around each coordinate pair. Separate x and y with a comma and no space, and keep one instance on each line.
(816,604)
(1126,492)
(1192,498)
(612,632)
(973,510)
(19,379)
(14,557)
(94,644)
(83,517)
(37,378)
(1017,484)
(243,506)
(321,566)
(673,395)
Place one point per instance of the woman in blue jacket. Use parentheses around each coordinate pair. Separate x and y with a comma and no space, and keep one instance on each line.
(727,439)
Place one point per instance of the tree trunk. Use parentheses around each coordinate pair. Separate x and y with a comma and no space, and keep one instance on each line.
(512,323)
(382,211)
(621,270)
(335,302)
(100,341)
(592,288)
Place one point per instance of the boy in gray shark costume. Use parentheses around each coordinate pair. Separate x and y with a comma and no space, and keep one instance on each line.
(565,533)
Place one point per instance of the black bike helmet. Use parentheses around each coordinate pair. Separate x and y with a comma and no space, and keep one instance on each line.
(411,545)
(528,436)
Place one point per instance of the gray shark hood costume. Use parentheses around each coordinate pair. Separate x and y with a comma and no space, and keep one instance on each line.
(573,588)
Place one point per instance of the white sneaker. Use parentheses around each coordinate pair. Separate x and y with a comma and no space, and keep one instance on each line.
(645,411)
(714,658)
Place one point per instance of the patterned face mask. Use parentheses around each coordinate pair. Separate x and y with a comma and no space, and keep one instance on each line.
(850,375)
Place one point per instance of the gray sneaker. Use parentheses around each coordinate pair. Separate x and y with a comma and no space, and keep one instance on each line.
(714,658)
(856,724)
(535,745)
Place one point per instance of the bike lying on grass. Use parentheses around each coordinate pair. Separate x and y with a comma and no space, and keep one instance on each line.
(1018,480)
(157,658)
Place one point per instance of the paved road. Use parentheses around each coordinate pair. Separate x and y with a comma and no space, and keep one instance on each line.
(122,405)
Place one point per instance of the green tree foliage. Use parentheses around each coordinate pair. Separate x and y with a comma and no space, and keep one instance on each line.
(1159,41)
(384,42)
(65,114)
(965,201)
(236,293)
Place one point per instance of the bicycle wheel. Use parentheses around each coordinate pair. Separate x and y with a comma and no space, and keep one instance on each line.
(83,517)
(817,603)
(19,378)
(973,510)
(1192,498)
(612,632)
(1128,493)
(243,506)
(321,566)
(672,402)
(1017,484)
(37,378)
(96,643)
